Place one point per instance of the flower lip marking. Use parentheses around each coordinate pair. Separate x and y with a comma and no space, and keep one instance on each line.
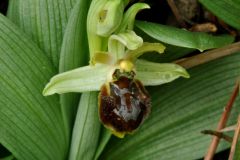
(123,103)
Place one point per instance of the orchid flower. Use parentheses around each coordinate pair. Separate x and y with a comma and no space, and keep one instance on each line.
(115,69)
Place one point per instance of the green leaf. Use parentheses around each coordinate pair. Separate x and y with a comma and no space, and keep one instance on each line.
(226,10)
(74,53)
(44,21)
(151,74)
(183,38)
(103,140)
(181,110)
(31,125)
(13,11)
(88,78)
(170,53)
(86,128)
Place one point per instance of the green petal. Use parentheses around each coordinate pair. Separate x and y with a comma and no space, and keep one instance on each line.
(117,43)
(129,16)
(150,73)
(89,78)
(146,47)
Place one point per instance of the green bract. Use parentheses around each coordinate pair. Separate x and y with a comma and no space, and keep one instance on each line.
(114,46)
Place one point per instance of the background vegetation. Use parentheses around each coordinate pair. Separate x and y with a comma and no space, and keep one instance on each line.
(40,38)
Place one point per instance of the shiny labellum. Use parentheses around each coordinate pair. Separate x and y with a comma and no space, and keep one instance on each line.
(123,104)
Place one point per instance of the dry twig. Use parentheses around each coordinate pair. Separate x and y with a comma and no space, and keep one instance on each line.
(218,134)
(229,128)
(176,13)
(209,55)
(235,139)
(222,123)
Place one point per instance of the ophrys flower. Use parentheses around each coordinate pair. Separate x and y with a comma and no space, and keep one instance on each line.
(114,68)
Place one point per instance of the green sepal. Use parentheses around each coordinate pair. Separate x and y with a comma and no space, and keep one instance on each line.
(110,17)
(145,48)
(96,42)
(117,43)
(88,78)
(151,74)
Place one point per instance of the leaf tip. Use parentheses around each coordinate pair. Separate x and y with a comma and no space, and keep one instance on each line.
(186,74)
(144,6)
(201,50)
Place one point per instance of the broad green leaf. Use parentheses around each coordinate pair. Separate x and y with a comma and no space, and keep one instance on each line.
(152,74)
(86,128)
(170,53)
(88,78)
(181,110)
(31,125)
(183,38)
(226,10)
(74,53)
(103,140)
(13,11)
(44,21)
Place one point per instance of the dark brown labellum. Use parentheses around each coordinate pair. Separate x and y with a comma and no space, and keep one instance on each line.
(123,105)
